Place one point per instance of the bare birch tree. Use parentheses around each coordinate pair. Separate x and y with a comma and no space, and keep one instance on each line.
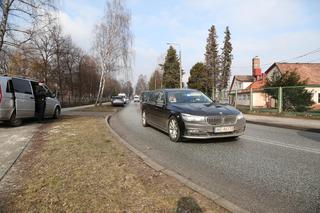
(18,18)
(113,42)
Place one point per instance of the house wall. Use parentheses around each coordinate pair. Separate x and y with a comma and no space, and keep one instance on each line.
(237,85)
(272,72)
(315,91)
(243,99)
(259,99)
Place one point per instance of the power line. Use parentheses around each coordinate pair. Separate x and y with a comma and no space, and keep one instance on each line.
(304,55)
(297,57)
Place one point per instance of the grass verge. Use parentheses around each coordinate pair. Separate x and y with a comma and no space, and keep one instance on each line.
(103,108)
(74,165)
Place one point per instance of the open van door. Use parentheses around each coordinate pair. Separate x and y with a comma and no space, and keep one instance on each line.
(24,98)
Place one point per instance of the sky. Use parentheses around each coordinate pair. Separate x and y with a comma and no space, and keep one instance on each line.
(274,30)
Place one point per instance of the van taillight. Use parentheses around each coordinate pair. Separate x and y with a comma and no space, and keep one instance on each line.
(0,94)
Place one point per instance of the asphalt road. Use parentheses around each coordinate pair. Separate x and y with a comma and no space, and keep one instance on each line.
(266,170)
(13,141)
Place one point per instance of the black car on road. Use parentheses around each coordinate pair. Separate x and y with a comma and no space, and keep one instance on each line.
(188,113)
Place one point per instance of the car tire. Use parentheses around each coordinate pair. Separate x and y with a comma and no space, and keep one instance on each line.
(14,122)
(174,130)
(144,119)
(57,113)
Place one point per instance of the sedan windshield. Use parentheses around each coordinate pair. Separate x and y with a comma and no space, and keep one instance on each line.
(187,97)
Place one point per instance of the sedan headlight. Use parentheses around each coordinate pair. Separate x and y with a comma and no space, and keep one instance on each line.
(240,116)
(193,118)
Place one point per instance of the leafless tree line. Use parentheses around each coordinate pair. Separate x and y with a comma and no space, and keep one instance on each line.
(32,44)
(113,43)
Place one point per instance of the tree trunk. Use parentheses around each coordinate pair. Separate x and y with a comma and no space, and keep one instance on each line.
(100,87)
(102,91)
(4,21)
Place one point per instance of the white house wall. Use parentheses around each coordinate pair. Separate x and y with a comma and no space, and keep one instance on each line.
(315,91)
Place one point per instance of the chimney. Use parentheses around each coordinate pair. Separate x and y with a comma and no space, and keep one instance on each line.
(256,69)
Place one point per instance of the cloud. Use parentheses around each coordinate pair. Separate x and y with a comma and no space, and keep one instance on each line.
(78,20)
(273,29)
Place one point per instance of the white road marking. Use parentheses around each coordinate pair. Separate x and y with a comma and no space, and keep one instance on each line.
(290,146)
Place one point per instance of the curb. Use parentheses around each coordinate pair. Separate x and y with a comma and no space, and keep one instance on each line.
(212,196)
(286,126)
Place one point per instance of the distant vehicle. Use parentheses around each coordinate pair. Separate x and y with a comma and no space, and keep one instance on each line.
(188,113)
(124,96)
(117,101)
(17,100)
(136,98)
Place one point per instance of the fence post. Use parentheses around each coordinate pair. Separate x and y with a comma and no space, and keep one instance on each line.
(251,100)
(280,103)
(235,99)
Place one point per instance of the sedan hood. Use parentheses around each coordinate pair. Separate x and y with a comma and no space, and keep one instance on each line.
(203,109)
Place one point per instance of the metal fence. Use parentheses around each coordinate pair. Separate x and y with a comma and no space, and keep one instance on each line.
(303,100)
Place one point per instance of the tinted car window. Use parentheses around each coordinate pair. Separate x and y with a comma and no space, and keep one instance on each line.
(9,86)
(160,98)
(21,86)
(117,97)
(187,97)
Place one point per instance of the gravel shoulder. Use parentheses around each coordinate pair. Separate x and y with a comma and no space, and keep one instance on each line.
(74,165)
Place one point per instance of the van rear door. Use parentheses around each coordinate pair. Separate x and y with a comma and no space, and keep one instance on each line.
(25,102)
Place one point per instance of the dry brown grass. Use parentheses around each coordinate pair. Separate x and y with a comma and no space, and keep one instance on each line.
(74,165)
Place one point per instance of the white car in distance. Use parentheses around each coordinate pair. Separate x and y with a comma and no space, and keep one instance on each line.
(124,96)
(136,98)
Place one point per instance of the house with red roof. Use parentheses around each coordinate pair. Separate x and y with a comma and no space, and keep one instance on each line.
(243,84)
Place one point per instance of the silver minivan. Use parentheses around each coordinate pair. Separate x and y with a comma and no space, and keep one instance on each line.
(17,100)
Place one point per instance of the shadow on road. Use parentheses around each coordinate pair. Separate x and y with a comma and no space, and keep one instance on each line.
(26,122)
(188,204)
(315,136)
(200,141)
(214,140)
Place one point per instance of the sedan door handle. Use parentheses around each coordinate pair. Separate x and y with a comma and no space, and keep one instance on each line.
(31,97)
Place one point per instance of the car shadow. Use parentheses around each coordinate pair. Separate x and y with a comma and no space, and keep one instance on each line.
(212,140)
(27,122)
(200,141)
(312,135)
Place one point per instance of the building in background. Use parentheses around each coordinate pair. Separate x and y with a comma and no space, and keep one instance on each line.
(242,85)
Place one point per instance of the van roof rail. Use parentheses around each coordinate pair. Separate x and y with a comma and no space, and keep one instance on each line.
(22,77)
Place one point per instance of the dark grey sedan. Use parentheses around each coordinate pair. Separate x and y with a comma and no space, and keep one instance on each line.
(188,113)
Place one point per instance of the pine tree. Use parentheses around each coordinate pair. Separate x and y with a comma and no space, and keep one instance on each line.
(212,63)
(226,60)
(198,77)
(155,81)
(171,67)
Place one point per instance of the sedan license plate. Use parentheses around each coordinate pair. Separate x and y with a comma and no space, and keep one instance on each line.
(224,129)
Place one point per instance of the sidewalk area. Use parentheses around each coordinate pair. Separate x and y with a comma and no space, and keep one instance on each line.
(291,123)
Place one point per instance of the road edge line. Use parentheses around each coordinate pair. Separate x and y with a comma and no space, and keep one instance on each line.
(157,167)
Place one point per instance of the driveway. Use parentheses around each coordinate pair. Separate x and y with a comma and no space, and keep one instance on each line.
(12,143)
(267,170)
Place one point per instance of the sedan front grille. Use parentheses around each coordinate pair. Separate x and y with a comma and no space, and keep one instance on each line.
(222,120)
